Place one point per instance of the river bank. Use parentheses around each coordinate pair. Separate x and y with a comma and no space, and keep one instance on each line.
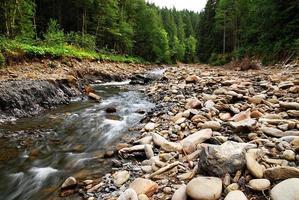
(27,89)
(236,132)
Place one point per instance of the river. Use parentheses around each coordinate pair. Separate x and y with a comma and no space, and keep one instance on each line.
(37,154)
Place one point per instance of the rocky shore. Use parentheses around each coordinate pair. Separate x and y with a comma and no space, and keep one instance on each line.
(214,134)
(27,89)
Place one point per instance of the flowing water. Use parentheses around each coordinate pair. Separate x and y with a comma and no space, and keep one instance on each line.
(38,153)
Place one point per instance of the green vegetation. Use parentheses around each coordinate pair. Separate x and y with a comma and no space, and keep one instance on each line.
(13,48)
(111,29)
(2,60)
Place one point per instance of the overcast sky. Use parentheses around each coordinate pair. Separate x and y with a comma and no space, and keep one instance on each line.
(195,5)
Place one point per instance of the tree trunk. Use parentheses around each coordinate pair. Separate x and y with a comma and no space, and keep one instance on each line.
(224,36)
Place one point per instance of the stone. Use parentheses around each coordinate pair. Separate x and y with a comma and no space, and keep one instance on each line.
(69,182)
(272,131)
(188,147)
(241,116)
(259,184)
(231,187)
(198,137)
(285,84)
(215,126)
(281,173)
(120,177)
(235,195)
(209,104)
(251,163)
(180,194)
(192,79)
(144,186)
(193,104)
(217,160)
(225,116)
(94,96)
(256,114)
(111,110)
(289,155)
(150,126)
(293,113)
(180,120)
(286,190)
(167,190)
(129,194)
(207,188)
(244,124)
(289,105)
(142,197)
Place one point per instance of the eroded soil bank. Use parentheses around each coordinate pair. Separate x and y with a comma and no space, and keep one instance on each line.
(29,88)
(214,134)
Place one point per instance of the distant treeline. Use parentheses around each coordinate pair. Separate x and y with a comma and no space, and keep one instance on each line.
(224,30)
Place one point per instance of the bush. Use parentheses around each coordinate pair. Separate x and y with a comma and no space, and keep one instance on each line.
(219,59)
(85,41)
(2,60)
(54,35)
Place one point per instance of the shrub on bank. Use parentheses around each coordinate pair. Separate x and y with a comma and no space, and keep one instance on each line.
(2,60)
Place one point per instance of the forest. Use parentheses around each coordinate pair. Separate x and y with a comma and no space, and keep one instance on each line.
(223,31)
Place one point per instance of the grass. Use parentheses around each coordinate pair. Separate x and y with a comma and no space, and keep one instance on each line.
(13,48)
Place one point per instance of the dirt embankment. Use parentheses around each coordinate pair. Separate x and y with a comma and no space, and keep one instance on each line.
(28,88)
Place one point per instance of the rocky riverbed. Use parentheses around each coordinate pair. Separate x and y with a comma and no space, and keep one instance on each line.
(214,134)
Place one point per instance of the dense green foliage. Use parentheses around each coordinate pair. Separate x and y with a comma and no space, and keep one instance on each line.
(266,29)
(224,30)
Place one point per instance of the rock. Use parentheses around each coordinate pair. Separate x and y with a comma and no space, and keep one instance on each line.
(94,96)
(129,194)
(235,195)
(244,124)
(252,165)
(171,146)
(148,151)
(150,126)
(192,79)
(209,104)
(198,137)
(293,113)
(294,89)
(167,190)
(144,186)
(188,147)
(259,184)
(256,114)
(180,120)
(140,80)
(289,155)
(225,116)
(142,197)
(120,177)
(286,190)
(215,126)
(217,160)
(285,84)
(69,182)
(281,173)
(289,105)
(110,110)
(208,188)
(193,104)
(180,194)
(231,187)
(272,131)
(241,116)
